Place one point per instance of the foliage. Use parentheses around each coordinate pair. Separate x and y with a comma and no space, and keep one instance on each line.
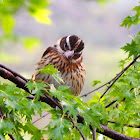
(16,110)
(49,69)
(94,83)
(130,20)
(8,9)
(134,47)
(104,1)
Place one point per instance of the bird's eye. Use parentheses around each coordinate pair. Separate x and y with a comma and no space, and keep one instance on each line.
(65,46)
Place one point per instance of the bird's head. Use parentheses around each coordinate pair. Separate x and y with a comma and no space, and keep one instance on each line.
(70,46)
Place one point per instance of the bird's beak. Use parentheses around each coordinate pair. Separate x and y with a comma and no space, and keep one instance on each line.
(69,54)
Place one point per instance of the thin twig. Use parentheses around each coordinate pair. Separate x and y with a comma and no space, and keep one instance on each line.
(93,132)
(116,100)
(30,97)
(1,115)
(11,136)
(96,89)
(110,86)
(80,132)
(113,79)
(40,118)
(77,127)
(113,103)
(110,103)
(119,75)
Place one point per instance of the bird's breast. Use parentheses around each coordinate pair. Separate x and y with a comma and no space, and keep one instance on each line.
(72,73)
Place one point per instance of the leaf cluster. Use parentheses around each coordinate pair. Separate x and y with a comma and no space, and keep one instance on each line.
(16,113)
(133,48)
(132,20)
(93,112)
(8,8)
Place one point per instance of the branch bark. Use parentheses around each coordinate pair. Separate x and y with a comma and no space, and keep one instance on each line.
(115,135)
(128,125)
(8,74)
(93,132)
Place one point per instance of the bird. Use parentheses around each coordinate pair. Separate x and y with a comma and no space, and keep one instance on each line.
(66,56)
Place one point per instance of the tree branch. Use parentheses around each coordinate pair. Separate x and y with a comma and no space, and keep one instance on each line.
(21,83)
(113,134)
(128,125)
(12,138)
(93,132)
(10,75)
(14,73)
(113,80)
(109,132)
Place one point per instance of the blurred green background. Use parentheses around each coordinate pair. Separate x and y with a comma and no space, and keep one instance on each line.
(97,24)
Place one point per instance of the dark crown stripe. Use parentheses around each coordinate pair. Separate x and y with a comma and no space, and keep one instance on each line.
(80,47)
(62,43)
(73,39)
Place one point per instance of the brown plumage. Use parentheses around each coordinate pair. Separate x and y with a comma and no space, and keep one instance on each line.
(66,56)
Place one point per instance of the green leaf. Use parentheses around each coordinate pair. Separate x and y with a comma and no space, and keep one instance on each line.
(31,129)
(49,69)
(8,58)
(41,15)
(39,107)
(7,23)
(31,43)
(58,78)
(70,108)
(6,126)
(137,9)
(128,21)
(2,136)
(104,1)
(62,92)
(133,49)
(58,128)
(37,88)
(95,82)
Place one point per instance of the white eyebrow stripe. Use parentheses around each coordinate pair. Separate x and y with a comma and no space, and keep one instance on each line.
(78,43)
(68,42)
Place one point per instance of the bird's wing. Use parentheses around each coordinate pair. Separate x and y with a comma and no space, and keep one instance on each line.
(49,49)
